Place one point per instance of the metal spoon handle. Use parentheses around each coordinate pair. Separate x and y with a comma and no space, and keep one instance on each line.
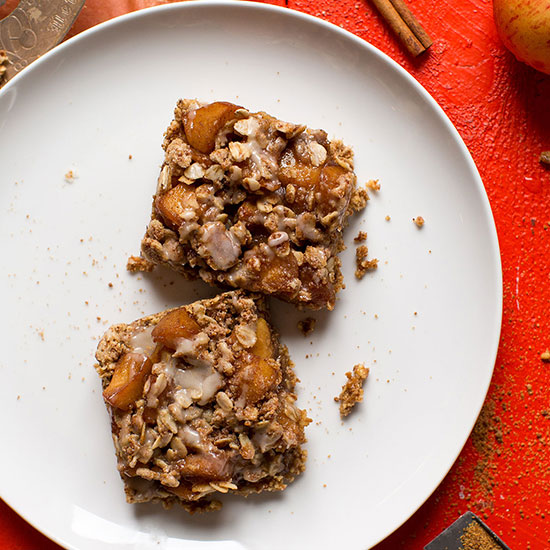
(33,28)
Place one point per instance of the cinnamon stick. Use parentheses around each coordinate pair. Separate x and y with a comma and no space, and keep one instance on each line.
(404,24)
(412,22)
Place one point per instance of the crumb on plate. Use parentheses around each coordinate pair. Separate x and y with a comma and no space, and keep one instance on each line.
(362,261)
(352,390)
(70,176)
(419,221)
(373,185)
(137,263)
(307,325)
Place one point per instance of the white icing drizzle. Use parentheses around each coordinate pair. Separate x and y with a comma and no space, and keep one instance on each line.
(198,383)
(222,246)
(191,437)
(142,342)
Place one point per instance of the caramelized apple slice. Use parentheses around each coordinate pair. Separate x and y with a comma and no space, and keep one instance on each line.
(263,347)
(128,379)
(173,326)
(205,466)
(322,294)
(202,125)
(256,377)
(172,205)
(183,491)
(300,175)
(330,190)
(277,274)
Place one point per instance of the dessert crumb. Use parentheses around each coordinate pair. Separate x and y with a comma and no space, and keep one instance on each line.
(352,390)
(70,176)
(543,159)
(373,185)
(362,262)
(545,356)
(419,221)
(307,326)
(388,218)
(361,237)
(136,263)
(130,157)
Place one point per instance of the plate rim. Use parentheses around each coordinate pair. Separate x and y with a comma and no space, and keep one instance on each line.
(410,80)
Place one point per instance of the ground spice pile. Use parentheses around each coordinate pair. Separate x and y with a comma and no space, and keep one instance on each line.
(474,537)
(487,437)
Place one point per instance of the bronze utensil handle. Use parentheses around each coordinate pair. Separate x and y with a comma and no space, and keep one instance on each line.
(33,28)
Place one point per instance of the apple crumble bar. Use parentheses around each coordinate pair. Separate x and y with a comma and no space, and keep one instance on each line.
(202,402)
(251,202)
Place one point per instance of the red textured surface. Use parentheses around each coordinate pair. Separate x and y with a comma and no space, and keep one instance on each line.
(502,110)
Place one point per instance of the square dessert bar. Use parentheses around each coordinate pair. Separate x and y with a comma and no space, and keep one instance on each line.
(202,402)
(247,201)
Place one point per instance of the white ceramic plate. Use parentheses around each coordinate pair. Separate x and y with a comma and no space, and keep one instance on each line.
(426,322)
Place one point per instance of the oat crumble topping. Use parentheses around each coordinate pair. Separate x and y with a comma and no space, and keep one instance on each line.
(245,200)
(202,403)
(352,390)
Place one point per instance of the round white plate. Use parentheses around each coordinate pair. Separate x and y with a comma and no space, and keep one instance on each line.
(426,322)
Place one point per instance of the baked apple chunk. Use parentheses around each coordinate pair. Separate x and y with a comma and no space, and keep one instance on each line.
(202,403)
(247,201)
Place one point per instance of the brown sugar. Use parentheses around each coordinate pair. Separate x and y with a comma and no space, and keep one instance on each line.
(475,537)
(352,390)
(363,263)
(419,221)
(307,325)
(136,263)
